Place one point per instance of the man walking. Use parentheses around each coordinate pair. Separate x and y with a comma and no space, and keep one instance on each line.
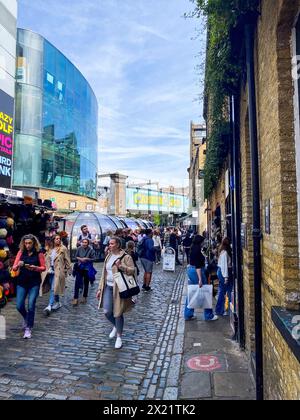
(147,256)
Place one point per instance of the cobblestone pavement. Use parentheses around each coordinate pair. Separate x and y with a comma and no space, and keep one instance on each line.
(71,357)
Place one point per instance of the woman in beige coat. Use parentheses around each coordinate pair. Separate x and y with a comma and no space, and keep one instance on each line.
(58,266)
(108,293)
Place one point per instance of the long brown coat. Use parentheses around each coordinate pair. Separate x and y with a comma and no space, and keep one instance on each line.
(120,305)
(62,267)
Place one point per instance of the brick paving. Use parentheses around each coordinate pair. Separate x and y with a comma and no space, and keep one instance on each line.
(71,357)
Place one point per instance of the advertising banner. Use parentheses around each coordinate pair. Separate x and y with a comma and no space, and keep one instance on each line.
(156,201)
(6,139)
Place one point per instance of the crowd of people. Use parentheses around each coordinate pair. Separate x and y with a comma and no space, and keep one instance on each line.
(39,271)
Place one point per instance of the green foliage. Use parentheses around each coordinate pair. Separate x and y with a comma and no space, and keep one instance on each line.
(222,74)
(157,220)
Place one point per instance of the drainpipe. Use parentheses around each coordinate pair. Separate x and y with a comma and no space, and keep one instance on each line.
(232,218)
(257,234)
(236,169)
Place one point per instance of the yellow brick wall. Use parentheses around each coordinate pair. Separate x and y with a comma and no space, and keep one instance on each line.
(246,206)
(218,196)
(280,261)
(63,200)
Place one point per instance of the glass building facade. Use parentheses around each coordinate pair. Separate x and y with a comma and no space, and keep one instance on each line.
(56,141)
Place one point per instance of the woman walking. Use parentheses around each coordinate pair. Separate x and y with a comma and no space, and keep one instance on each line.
(108,293)
(58,266)
(225,276)
(196,275)
(29,265)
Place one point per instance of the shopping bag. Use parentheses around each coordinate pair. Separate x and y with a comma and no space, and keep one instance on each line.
(127,285)
(200,298)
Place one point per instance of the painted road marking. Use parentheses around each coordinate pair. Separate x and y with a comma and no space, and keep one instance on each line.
(204,363)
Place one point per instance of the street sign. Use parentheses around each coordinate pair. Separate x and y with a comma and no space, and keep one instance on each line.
(11,193)
(204,363)
(169,257)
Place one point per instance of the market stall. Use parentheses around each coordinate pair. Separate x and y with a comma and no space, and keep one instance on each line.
(20,216)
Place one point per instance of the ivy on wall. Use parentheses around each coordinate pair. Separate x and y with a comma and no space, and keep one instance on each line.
(222,74)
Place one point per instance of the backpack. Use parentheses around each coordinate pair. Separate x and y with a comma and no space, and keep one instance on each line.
(141,248)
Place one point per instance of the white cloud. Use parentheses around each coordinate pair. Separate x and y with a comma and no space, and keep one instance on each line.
(140,60)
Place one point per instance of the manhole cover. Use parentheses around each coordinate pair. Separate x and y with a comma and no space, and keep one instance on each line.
(204,363)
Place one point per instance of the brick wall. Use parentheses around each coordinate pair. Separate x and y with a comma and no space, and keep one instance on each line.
(280,261)
(218,197)
(63,200)
(247,219)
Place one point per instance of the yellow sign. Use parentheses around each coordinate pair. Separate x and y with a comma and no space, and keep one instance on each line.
(156,200)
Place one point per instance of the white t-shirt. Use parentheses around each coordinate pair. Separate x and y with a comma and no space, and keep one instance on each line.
(109,266)
(224,263)
(157,241)
(53,256)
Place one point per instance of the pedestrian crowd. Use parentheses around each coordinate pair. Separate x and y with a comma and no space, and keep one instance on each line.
(41,271)
(44,270)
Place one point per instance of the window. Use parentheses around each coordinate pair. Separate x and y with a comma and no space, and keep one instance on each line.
(50,78)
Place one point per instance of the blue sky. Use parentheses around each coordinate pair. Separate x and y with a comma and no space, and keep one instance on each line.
(140,57)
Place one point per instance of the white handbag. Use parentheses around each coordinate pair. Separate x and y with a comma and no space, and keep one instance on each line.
(200,297)
(127,285)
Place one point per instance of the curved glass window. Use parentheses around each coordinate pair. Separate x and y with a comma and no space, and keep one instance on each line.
(98,226)
(55,103)
(117,222)
(142,224)
(132,224)
(90,220)
(27,167)
(106,223)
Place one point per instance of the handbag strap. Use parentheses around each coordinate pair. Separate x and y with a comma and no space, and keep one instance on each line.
(120,259)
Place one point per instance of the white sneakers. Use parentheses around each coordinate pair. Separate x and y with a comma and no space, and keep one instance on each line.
(119,343)
(113,333)
(27,334)
(215,318)
(56,306)
(47,311)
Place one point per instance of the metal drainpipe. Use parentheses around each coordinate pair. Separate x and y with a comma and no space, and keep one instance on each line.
(249,42)
(232,218)
(238,221)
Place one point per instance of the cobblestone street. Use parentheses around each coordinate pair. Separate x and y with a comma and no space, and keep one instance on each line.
(71,357)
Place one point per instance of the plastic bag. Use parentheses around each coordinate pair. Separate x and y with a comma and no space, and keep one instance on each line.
(200,297)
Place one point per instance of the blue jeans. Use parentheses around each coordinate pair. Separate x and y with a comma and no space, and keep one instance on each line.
(32,294)
(224,289)
(193,279)
(108,306)
(53,298)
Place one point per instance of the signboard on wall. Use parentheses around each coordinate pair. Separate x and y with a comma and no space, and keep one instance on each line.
(6,139)
(138,199)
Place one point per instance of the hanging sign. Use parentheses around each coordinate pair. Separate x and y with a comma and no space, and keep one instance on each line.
(6,139)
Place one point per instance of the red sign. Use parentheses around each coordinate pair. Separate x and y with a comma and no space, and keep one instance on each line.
(204,363)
